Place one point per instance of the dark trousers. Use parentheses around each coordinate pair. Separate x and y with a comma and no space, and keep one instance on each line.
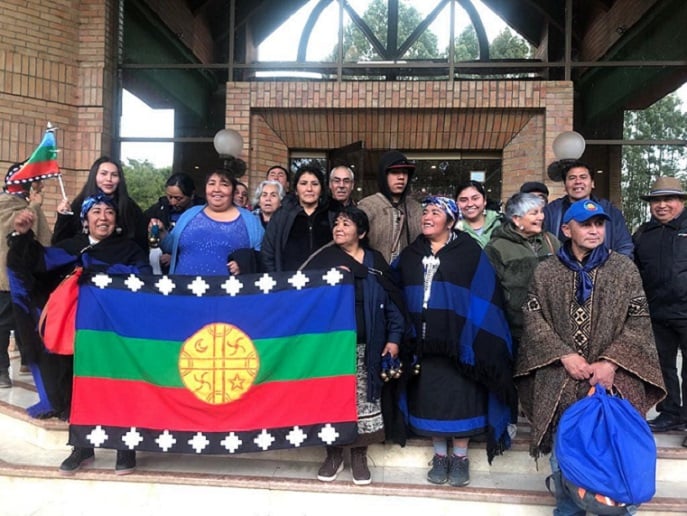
(6,325)
(58,373)
(671,335)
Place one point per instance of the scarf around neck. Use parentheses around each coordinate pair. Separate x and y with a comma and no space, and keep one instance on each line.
(595,259)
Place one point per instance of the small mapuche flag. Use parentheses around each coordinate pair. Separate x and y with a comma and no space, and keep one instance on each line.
(217,365)
(41,165)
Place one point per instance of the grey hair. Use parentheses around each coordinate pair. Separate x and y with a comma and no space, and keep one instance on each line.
(348,169)
(520,203)
(261,187)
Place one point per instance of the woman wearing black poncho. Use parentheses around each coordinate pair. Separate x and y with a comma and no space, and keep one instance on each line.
(464,387)
(380,326)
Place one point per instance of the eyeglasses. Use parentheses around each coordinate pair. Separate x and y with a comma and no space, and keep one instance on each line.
(339,180)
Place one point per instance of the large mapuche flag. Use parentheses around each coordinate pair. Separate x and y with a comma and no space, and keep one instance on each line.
(214,365)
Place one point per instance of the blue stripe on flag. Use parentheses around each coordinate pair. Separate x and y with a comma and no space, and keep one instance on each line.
(262,316)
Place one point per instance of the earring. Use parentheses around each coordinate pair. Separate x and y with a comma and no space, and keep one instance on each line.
(521,227)
(85,228)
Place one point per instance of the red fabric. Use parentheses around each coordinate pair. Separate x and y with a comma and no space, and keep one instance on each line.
(127,403)
(58,319)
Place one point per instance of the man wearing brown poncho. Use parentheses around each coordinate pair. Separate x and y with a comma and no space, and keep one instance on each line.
(586,322)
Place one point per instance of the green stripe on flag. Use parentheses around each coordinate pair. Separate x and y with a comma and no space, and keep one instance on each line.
(108,355)
(42,153)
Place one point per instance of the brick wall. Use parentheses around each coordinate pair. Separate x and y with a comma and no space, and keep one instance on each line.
(266,149)
(57,65)
(523,158)
(522,118)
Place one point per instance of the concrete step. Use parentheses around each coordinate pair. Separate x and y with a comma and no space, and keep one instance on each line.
(279,482)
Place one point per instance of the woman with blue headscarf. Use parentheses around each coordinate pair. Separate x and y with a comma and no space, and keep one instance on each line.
(35,271)
(463,384)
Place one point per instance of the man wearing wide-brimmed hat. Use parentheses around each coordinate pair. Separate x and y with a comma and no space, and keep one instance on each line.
(661,255)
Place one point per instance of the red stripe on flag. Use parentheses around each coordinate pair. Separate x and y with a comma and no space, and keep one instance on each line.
(40,168)
(124,403)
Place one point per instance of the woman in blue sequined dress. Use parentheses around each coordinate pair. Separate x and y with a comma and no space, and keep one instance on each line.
(206,239)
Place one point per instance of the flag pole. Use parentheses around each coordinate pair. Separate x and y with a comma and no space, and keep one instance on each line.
(64,193)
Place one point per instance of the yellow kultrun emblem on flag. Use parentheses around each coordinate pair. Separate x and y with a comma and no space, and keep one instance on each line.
(218,363)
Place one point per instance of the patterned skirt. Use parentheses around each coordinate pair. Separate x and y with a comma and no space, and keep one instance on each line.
(370,423)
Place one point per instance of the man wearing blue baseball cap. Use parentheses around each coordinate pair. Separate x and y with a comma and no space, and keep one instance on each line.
(586,322)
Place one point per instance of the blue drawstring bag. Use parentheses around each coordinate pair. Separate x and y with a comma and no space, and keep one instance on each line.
(606,452)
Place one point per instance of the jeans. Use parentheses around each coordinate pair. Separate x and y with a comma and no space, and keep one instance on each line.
(565,506)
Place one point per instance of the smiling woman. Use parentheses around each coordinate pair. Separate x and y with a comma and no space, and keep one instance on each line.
(300,226)
(475,219)
(105,177)
(515,250)
(37,271)
(209,239)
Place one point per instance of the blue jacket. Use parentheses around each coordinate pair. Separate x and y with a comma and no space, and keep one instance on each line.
(171,242)
(618,237)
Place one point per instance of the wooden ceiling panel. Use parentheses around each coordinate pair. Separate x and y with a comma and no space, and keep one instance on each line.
(410,129)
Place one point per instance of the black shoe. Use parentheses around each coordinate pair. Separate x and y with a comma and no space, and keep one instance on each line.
(5,382)
(78,458)
(332,465)
(359,469)
(439,472)
(665,422)
(459,471)
(126,462)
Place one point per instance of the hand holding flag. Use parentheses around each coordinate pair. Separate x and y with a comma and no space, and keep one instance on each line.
(42,164)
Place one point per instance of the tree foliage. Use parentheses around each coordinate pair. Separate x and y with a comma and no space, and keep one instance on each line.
(358,48)
(508,45)
(145,183)
(466,47)
(642,164)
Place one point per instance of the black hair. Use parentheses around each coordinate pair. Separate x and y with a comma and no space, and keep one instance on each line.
(359,218)
(573,163)
(227,174)
(182,181)
(310,169)
(471,184)
(125,205)
(273,167)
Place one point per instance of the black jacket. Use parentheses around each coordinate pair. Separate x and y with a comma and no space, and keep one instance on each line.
(279,231)
(661,256)
(162,211)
